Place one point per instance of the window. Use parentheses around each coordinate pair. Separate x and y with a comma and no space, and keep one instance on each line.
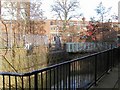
(51,23)
(71,23)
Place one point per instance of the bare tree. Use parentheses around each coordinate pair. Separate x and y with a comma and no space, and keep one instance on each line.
(65,10)
(37,18)
(26,19)
(92,19)
(114,17)
(102,11)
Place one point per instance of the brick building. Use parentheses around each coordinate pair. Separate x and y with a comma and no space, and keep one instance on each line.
(76,30)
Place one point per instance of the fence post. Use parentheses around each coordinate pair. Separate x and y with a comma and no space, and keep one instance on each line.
(36,82)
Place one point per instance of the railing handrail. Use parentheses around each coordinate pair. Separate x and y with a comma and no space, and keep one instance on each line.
(11,74)
(53,66)
(63,63)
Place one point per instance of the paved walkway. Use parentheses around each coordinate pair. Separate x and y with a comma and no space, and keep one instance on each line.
(109,81)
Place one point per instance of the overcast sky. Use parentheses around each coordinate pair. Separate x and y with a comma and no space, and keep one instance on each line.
(87,7)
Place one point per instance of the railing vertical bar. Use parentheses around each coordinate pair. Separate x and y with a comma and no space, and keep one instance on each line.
(9,82)
(54,77)
(116,51)
(102,66)
(76,66)
(78,74)
(66,76)
(16,82)
(108,60)
(88,76)
(60,76)
(114,55)
(111,58)
(41,81)
(80,63)
(74,75)
(63,77)
(22,83)
(95,70)
(46,80)
(117,55)
(112,63)
(114,59)
(104,59)
(3,82)
(69,76)
(29,82)
(36,81)
(57,74)
(50,79)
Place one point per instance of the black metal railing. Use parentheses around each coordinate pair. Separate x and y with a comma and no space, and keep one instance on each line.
(77,73)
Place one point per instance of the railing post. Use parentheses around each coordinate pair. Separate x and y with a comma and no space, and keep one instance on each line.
(95,70)
(36,82)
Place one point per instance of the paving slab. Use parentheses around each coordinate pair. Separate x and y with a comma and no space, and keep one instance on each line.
(109,81)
